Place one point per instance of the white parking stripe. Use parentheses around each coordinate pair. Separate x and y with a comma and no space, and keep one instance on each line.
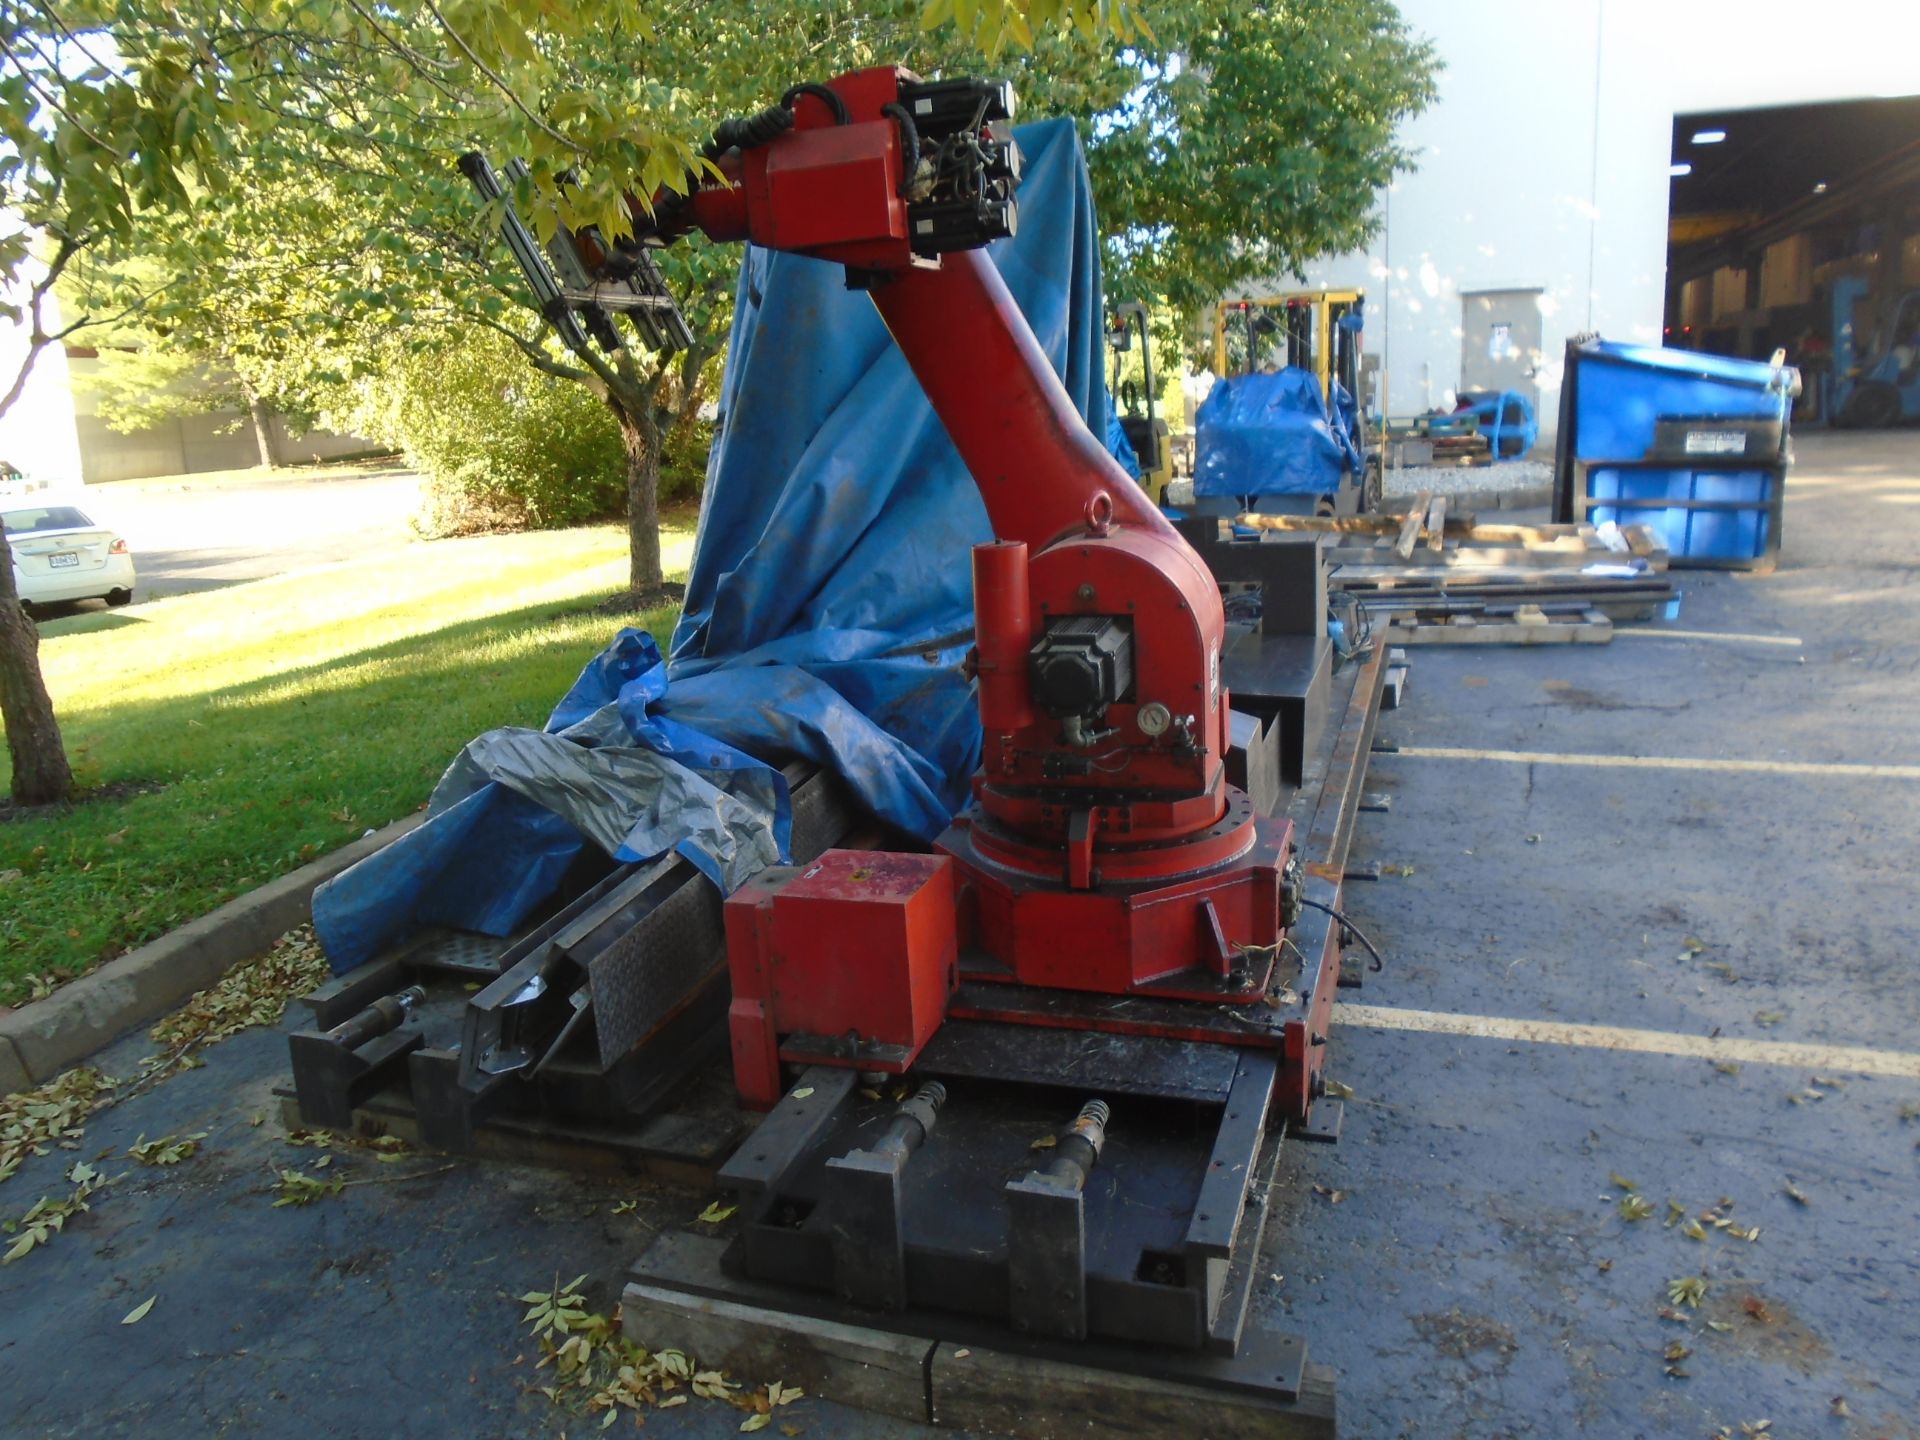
(1665,762)
(1625,631)
(1847,1059)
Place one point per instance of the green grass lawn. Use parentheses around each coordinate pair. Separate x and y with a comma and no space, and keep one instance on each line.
(277,720)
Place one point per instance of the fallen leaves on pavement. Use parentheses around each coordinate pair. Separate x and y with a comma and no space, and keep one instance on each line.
(301,1190)
(49,1217)
(167,1150)
(594,1368)
(1687,1290)
(254,992)
(33,1122)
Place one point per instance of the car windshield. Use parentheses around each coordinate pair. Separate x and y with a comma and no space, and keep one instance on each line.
(43,517)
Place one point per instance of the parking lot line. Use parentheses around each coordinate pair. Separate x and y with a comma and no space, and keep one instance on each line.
(1731,637)
(1667,762)
(1794,1055)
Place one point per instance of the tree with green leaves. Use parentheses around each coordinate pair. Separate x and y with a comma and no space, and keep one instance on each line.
(118,114)
(286,168)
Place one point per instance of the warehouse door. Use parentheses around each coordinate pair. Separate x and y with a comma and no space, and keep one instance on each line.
(1500,341)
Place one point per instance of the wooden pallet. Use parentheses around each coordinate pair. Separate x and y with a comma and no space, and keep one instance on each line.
(1527,626)
(1455,460)
(1427,536)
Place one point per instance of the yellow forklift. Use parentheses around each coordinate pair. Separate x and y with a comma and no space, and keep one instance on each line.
(1148,434)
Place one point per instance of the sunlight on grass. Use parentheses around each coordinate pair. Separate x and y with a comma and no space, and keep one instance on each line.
(191,644)
(253,728)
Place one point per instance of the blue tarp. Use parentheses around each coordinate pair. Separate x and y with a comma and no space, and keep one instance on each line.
(1270,434)
(828,610)
(1506,418)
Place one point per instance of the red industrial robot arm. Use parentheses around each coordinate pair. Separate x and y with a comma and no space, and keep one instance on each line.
(1099,629)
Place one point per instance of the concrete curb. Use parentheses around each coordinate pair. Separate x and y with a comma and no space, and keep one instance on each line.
(42,1038)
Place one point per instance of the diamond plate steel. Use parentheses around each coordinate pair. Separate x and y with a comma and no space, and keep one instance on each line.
(643,978)
(656,967)
(462,951)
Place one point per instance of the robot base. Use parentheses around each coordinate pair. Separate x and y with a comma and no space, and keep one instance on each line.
(1209,934)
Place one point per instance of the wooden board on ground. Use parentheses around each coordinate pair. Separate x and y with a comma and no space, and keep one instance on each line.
(1489,556)
(991,1392)
(1383,525)
(965,1372)
(851,1364)
(1459,527)
(1410,527)
(1527,627)
(1371,575)
(1437,523)
(963,1387)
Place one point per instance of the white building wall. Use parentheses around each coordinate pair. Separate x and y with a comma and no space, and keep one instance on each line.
(1544,160)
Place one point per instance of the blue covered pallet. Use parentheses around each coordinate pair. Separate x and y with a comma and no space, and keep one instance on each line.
(1697,446)
(829,609)
(1273,434)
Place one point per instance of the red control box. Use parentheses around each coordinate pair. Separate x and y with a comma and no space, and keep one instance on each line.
(849,960)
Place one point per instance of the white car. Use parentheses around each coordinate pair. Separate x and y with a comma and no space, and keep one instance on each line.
(59,554)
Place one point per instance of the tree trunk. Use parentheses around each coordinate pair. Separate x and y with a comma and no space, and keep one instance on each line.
(41,775)
(262,429)
(640,436)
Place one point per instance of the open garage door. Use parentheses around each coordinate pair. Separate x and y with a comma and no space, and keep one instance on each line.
(1798,228)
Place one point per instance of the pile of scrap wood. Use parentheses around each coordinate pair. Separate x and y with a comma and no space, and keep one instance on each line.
(1441,579)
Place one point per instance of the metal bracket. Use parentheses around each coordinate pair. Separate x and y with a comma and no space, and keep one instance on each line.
(330,1080)
(1046,1258)
(869,1245)
(1322,1125)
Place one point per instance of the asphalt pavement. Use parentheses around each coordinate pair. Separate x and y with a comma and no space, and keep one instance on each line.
(1460,1256)
(188,536)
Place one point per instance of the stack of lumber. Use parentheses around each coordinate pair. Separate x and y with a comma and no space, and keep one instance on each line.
(1443,579)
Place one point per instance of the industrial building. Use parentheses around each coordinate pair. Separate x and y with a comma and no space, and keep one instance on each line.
(1550,198)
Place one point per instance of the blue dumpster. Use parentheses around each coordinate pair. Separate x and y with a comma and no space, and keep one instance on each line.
(1694,445)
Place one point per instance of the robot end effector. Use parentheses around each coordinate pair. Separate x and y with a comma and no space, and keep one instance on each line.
(879,170)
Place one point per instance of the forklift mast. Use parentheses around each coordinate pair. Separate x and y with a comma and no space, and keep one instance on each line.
(1317,325)
(1146,432)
